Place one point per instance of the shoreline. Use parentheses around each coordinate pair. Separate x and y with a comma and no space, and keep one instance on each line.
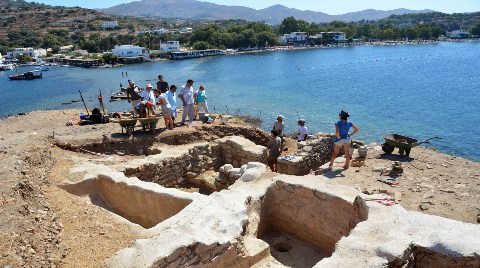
(198,122)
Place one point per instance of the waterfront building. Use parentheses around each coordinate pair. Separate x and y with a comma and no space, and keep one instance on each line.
(131,53)
(295,39)
(457,34)
(170,46)
(195,54)
(336,36)
(109,24)
(128,51)
(32,53)
(66,49)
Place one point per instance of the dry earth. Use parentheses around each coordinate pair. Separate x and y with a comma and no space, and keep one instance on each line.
(42,225)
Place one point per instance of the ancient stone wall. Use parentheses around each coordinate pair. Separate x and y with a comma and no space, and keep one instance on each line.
(311,154)
(200,157)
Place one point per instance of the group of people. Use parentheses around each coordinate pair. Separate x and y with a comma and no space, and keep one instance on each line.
(146,102)
(342,139)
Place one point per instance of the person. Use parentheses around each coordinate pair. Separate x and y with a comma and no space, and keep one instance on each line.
(279,126)
(172,99)
(342,138)
(148,99)
(200,100)
(186,96)
(162,101)
(273,146)
(302,130)
(133,96)
(162,85)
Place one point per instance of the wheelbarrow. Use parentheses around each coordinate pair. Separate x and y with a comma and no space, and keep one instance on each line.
(149,123)
(127,124)
(403,143)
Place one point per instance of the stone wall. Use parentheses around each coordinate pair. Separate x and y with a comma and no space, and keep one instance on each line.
(196,159)
(195,254)
(311,154)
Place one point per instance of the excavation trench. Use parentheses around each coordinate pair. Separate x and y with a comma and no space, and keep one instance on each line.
(145,207)
(302,226)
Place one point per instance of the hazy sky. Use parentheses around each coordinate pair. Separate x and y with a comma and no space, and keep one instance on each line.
(332,7)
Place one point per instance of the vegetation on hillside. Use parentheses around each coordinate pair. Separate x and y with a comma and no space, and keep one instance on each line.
(25,24)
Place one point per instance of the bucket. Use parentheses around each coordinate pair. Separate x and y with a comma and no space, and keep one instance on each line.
(82,116)
(362,152)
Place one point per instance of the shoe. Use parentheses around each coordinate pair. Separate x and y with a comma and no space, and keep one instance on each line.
(182,124)
(345,167)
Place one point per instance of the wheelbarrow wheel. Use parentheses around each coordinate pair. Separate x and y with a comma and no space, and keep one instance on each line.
(387,148)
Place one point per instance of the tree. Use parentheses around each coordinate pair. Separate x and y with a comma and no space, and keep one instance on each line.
(200,45)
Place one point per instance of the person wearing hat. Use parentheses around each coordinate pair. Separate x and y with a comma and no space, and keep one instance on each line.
(148,98)
(187,97)
(279,126)
(133,96)
(342,138)
(302,130)
(162,85)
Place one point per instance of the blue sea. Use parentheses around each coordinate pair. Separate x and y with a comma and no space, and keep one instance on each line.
(419,91)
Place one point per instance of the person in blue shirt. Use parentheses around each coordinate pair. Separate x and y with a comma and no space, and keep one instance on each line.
(200,100)
(342,138)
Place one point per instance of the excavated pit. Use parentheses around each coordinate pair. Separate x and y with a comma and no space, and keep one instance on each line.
(420,257)
(302,225)
(144,207)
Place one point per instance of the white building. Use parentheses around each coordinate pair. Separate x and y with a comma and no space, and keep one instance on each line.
(1,58)
(186,30)
(337,36)
(128,51)
(458,34)
(109,24)
(294,38)
(159,32)
(170,46)
(32,53)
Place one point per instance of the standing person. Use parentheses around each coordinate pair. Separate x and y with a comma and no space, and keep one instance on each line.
(302,130)
(279,126)
(172,99)
(200,100)
(273,146)
(186,96)
(162,101)
(133,96)
(342,138)
(162,85)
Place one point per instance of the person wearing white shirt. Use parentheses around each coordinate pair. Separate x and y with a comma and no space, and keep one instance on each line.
(172,99)
(302,130)
(187,97)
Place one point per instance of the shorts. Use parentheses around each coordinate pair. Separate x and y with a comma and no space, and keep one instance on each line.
(166,111)
(342,142)
(173,113)
(272,159)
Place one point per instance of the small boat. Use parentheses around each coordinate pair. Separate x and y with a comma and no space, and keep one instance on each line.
(41,68)
(9,66)
(26,76)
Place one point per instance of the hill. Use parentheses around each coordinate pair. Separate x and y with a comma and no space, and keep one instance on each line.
(274,14)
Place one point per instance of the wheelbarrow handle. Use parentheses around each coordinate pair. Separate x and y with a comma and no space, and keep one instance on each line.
(428,140)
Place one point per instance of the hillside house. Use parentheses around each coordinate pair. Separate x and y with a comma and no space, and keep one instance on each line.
(109,24)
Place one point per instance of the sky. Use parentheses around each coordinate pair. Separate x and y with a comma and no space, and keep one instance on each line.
(332,7)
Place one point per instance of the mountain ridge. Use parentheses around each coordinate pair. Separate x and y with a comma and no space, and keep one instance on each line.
(273,14)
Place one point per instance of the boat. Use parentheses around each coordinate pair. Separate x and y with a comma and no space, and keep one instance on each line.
(41,68)
(25,76)
(9,66)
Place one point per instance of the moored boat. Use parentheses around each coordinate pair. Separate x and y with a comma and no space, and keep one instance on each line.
(25,76)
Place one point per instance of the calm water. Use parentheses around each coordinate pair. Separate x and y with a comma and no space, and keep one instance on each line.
(416,90)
